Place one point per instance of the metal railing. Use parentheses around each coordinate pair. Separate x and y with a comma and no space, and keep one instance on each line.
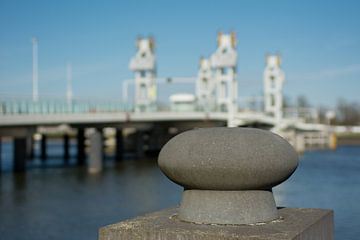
(21,106)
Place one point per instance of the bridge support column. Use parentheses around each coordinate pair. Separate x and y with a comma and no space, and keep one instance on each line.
(299,142)
(81,147)
(119,145)
(19,154)
(96,152)
(139,148)
(66,148)
(43,154)
(30,146)
(0,155)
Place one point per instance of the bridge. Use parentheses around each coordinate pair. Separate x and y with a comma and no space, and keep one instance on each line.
(22,118)
(215,102)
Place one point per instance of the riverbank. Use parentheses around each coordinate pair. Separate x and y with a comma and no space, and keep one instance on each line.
(348,139)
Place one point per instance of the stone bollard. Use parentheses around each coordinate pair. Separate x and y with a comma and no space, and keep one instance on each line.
(227,175)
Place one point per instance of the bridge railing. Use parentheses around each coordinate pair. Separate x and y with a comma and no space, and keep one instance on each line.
(51,105)
(56,106)
(310,115)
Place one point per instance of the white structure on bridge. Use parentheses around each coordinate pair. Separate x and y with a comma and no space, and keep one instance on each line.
(205,86)
(223,62)
(274,79)
(143,64)
(216,86)
(216,100)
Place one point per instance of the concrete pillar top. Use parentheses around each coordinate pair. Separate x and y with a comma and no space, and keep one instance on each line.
(228,173)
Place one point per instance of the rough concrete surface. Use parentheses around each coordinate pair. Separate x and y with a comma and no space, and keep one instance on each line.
(227,207)
(295,224)
(228,159)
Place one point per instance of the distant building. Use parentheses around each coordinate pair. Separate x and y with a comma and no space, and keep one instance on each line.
(182,102)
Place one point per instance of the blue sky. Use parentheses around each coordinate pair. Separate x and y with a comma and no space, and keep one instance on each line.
(319,42)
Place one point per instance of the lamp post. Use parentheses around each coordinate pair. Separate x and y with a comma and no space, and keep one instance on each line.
(35,75)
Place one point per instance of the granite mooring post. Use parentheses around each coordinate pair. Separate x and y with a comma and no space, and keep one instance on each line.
(227,175)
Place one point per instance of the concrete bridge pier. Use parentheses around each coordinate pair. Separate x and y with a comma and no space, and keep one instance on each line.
(119,145)
(43,148)
(30,146)
(19,154)
(0,155)
(66,146)
(139,144)
(95,161)
(81,147)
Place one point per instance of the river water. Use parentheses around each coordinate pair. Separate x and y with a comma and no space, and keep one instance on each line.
(51,201)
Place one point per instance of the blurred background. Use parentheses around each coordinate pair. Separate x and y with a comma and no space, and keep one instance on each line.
(91,90)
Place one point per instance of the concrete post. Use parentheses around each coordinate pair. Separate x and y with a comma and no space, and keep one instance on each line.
(43,149)
(227,175)
(119,145)
(19,154)
(96,152)
(66,148)
(81,147)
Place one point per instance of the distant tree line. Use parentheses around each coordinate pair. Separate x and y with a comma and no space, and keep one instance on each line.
(346,112)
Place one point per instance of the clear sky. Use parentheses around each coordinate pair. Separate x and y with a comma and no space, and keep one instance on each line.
(319,42)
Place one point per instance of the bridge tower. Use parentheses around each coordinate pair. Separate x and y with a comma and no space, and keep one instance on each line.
(143,64)
(224,62)
(274,78)
(205,86)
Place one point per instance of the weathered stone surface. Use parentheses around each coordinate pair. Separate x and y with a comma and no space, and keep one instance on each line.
(228,173)
(304,224)
(227,207)
(228,159)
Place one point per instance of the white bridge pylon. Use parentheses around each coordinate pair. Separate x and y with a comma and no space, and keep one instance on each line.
(215,86)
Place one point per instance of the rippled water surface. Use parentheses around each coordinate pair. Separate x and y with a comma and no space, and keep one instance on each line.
(54,202)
